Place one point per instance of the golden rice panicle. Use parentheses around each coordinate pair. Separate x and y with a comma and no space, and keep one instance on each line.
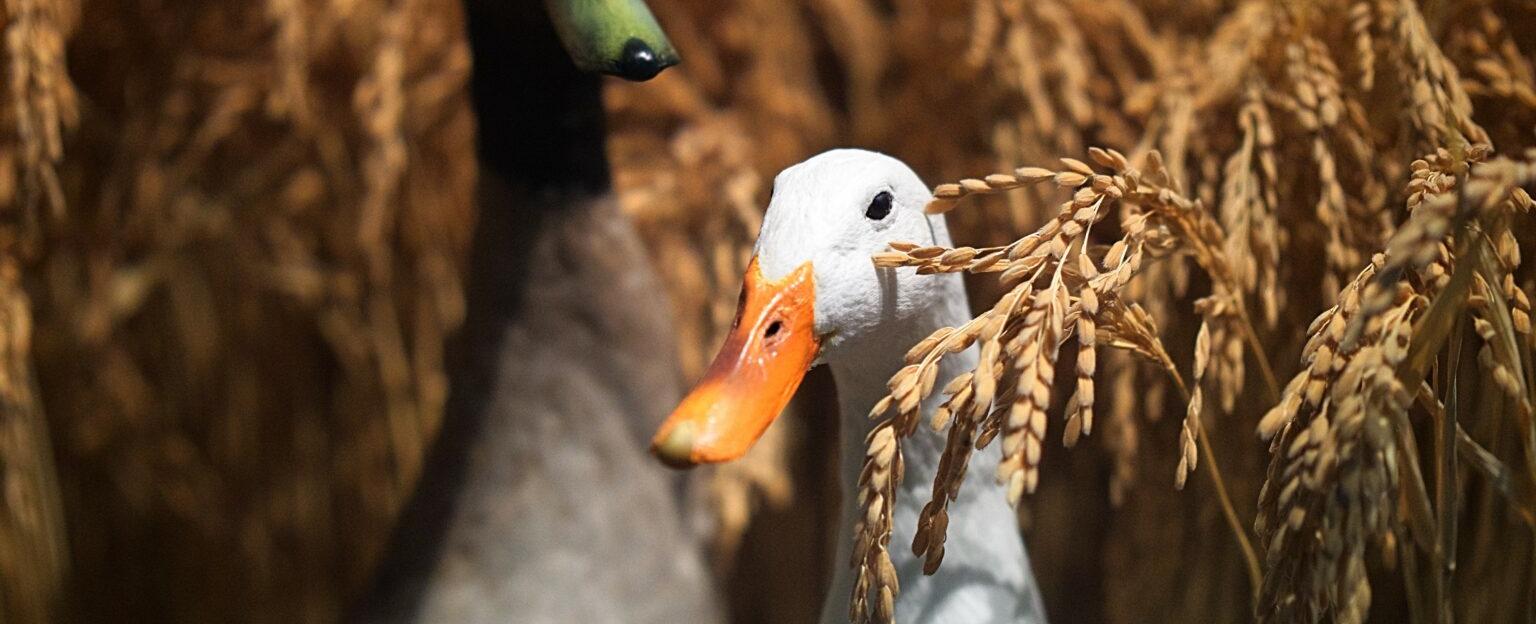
(1080,412)
(1491,190)
(1362,17)
(970,399)
(1249,206)
(1022,335)
(1189,430)
(1024,427)
(1341,435)
(875,576)
(1278,149)
(898,415)
(41,104)
(947,196)
(1440,106)
(38,107)
(1153,211)
(1317,105)
(1333,470)
(1502,322)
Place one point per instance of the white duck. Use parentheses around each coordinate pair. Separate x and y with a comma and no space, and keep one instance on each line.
(812,295)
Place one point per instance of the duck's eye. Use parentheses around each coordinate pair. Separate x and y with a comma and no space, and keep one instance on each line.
(879,206)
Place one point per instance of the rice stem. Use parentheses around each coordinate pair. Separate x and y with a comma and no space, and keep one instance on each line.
(1250,558)
(1259,353)
(1228,511)
(1446,501)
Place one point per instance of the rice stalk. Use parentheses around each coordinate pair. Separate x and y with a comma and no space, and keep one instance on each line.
(1318,151)
(1056,282)
(1364,354)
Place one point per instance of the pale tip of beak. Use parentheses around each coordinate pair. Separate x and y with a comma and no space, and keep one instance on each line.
(677,449)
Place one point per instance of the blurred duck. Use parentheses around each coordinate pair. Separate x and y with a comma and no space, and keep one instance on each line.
(526,509)
(812,295)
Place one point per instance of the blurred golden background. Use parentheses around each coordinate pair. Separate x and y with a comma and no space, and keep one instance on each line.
(236,238)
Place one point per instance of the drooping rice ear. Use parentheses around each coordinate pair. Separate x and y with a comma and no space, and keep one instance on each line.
(616,37)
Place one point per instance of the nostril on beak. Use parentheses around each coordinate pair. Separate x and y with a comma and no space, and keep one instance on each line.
(638,62)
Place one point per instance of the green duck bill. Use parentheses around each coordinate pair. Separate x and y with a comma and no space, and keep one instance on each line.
(615,37)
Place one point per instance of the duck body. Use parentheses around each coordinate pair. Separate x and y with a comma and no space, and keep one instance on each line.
(827,217)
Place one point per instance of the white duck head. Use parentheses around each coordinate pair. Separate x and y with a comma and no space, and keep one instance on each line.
(812,294)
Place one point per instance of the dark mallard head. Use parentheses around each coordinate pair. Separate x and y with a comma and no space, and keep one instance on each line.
(615,37)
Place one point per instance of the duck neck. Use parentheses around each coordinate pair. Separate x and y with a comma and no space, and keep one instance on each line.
(985,537)
(862,371)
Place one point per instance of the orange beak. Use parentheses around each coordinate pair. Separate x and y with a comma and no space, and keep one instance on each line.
(771,345)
